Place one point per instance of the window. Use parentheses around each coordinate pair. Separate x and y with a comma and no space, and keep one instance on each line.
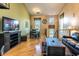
(51,29)
(51,21)
(37,23)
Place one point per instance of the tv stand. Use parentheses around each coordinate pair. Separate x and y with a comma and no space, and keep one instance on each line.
(14,39)
(1,42)
(11,38)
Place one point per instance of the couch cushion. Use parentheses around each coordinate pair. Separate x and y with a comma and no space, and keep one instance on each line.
(75,36)
(77,46)
(71,43)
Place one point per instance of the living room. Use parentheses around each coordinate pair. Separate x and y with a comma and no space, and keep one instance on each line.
(39,29)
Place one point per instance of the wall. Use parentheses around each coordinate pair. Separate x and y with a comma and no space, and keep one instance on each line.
(18,12)
(71,15)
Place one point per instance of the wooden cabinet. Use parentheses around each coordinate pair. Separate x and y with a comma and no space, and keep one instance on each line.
(6,41)
(1,42)
(9,40)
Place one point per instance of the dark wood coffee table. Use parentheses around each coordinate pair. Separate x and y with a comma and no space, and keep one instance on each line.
(53,47)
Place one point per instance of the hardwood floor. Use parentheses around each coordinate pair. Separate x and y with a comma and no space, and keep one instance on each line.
(28,48)
(31,47)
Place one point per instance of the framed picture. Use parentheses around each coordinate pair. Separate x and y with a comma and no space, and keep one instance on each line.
(52,26)
(44,21)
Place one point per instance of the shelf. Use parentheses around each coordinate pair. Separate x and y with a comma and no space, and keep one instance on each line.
(13,40)
(13,44)
(13,34)
(1,40)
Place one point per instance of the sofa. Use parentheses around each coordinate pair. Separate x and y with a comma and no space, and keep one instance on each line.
(72,42)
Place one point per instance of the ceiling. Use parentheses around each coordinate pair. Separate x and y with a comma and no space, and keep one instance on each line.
(44,8)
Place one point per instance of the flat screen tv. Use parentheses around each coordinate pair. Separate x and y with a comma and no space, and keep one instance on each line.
(9,24)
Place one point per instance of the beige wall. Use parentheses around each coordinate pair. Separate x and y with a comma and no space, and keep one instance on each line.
(18,12)
(71,12)
(71,15)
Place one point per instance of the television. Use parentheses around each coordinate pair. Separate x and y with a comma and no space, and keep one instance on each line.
(9,24)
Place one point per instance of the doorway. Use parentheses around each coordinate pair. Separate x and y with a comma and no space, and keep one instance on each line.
(37,22)
(37,25)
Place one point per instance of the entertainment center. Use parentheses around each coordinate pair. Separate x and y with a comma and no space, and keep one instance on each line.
(10,35)
(11,38)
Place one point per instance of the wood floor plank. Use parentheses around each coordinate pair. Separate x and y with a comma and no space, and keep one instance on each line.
(27,48)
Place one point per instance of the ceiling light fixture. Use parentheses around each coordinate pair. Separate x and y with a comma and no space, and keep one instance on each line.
(36,10)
